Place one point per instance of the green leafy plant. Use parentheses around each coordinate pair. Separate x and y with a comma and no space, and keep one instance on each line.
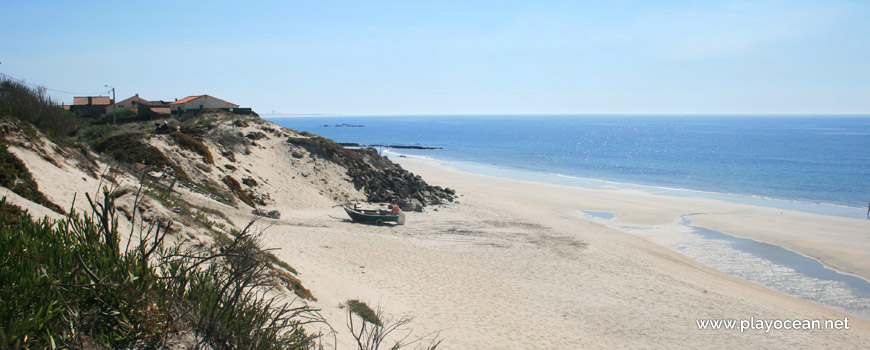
(69,284)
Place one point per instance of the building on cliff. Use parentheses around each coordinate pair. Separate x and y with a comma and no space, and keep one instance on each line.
(189,106)
(90,106)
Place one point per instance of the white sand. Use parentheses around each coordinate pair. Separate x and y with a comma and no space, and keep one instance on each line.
(510,268)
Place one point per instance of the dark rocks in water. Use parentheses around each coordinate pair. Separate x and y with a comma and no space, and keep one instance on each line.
(273,214)
(406,147)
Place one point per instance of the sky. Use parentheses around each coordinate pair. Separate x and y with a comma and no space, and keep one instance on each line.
(452,57)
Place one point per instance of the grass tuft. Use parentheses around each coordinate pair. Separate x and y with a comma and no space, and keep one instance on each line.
(192,144)
(15,176)
(363,311)
(234,185)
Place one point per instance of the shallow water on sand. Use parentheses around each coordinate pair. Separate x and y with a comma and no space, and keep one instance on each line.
(762,263)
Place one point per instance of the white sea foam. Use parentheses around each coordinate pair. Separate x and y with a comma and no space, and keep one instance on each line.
(832,290)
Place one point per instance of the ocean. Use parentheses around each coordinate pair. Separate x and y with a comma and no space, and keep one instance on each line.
(812,163)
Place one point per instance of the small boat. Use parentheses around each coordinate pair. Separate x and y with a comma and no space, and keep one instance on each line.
(375,216)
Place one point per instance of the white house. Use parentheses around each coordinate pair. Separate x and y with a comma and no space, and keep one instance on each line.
(195,103)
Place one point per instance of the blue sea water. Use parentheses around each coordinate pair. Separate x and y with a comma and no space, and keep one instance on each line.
(818,161)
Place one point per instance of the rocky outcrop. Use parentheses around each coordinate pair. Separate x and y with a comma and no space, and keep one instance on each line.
(380,179)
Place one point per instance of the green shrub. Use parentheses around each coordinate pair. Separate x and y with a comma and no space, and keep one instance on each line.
(234,185)
(363,311)
(189,143)
(32,105)
(219,195)
(15,176)
(67,283)
(9,212)
(30,131)
(94,133)
(128,148)
(119,114)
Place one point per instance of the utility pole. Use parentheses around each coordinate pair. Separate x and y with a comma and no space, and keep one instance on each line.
(114,105)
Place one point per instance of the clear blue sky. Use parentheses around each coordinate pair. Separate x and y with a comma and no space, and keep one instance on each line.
(453,57)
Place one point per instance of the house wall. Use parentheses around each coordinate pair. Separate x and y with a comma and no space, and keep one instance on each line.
(130,104)
(205,103)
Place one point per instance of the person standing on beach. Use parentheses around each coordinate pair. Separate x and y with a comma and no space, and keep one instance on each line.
(868,210)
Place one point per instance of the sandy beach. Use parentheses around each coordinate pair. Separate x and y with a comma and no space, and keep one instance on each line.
(510,267)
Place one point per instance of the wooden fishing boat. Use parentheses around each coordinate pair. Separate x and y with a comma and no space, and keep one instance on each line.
(375,216)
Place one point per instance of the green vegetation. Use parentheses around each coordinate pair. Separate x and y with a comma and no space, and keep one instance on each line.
(33,106)
(362,310)
(120,116)
(15,176)
(94,133)
(203,219)
(129,148)
(212,116)
(30,131)
(9,212)
(234,185)
(219,195)
(189,143)
(68,284)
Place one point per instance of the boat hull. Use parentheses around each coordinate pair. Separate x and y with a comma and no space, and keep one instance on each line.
(374,216)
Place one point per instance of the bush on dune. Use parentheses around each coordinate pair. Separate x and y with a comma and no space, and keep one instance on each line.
(15,176)
(190,143)
(32,105)
(69,284)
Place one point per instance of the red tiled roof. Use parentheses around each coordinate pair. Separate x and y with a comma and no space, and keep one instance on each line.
(101,101)
(92,101)
(191,98)
(186,99)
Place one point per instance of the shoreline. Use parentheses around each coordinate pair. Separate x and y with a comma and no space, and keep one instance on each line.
(807,206)
(508,266)
(712,220)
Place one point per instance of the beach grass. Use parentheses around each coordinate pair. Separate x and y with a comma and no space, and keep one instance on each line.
(67,283)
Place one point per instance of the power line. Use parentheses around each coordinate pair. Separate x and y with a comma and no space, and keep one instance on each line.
(54,90)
